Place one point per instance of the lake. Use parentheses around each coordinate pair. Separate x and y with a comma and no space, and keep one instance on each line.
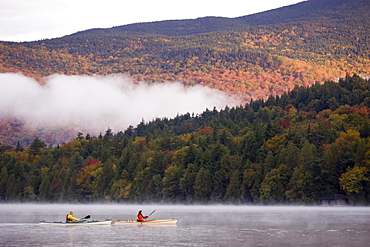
(217,225)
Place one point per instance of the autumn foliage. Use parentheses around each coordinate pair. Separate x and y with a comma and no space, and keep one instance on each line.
(296,148)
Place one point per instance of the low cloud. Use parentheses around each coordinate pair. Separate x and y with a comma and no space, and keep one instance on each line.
(95,103)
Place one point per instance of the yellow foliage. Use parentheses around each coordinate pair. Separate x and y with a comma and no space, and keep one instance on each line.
(44,170)
(347,140)
(276,142)
(139,139)
(352,180)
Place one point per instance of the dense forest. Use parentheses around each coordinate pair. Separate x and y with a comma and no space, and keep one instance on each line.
(294,148)
(300,134)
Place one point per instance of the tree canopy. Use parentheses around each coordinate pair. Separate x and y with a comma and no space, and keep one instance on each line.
(296,148)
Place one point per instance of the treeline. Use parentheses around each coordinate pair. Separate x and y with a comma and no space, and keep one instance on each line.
(293,148)
(171,27)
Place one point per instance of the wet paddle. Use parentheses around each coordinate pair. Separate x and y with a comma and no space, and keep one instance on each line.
(87,217)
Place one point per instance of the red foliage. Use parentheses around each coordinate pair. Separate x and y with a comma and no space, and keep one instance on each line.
(169,152)
(206,131)
(92,162)
(356,109)
(285,124)
(54,188)
(142,143)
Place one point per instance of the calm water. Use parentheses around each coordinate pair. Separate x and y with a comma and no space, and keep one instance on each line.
(197,226)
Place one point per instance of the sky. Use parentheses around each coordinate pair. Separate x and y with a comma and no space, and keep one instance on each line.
(31,20)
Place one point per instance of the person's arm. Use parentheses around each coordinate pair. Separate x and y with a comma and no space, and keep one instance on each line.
(72,218)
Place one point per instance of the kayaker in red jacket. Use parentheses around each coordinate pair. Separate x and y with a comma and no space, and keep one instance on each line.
(140,217)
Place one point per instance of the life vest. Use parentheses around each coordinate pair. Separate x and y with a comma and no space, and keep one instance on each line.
(141,217)
(67,219)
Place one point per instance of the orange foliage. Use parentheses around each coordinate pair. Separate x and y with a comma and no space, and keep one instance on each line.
(206,131)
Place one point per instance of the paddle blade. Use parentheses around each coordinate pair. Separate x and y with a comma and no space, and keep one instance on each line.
(87,217)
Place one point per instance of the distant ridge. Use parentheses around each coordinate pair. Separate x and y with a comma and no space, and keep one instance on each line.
(171,27)
(311,10)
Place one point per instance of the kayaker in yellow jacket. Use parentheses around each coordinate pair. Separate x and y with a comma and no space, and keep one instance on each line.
(70,218)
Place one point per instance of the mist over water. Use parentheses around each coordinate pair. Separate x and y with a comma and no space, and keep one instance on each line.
(207,225)
(95,103)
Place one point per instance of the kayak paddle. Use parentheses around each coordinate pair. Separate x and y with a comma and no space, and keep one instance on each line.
(151,213)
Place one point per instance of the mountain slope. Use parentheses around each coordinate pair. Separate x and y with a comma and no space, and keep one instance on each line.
(252,62)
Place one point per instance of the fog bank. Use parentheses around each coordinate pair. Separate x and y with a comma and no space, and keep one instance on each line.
(95,103)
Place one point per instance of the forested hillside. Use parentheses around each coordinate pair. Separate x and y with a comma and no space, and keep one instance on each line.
(301,133)
(293,148)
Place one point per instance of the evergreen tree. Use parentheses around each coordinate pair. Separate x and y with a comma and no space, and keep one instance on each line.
(19,148)
(36,146)
(171,184)
(187,182)
(233,189)
(3,182)
(203,185)
(155,188)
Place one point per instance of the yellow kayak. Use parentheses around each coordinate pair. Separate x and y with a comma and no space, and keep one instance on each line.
(147,222)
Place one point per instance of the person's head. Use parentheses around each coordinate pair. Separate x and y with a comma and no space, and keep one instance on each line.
(140,211)
(70,211)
